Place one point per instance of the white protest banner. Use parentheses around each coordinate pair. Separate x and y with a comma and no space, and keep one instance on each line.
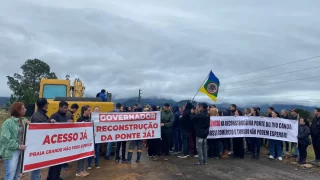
(125,126)
(253,126)
(56,143)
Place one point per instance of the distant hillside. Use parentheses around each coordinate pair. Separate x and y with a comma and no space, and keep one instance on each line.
(161,101)
(3,100)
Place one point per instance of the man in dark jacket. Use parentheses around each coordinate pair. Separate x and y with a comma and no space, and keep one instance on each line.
(40,116)
(60,116)
(176,130)
(201,126)
(102,95)
(185,122)
(166,128)
(315,134)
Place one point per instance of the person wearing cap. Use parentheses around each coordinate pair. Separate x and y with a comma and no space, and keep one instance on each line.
(167,119)
(40,116)
(315,135)
(201,125)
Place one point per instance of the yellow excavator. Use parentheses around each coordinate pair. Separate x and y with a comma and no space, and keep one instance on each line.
(56,90)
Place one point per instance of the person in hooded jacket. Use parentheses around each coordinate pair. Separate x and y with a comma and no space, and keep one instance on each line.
(176,130)
(102,95)
(201,125)
(185,125)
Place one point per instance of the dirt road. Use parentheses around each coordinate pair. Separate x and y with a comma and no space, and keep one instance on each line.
(239,169)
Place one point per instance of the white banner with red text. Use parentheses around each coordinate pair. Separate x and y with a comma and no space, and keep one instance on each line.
(126,126)
(57,143)
(253,126)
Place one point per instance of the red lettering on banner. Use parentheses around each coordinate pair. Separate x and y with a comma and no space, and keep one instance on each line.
(103,137)
(127,116)
(60,138)
(215,123)
(127,136)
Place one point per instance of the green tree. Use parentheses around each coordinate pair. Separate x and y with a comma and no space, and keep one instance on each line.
(25,86)
(307,115)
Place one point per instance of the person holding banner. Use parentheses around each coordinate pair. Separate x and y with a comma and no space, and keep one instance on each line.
(11,140)
(166,129)
(60,116)
(315,134)
(255,142)
(85,117)
(40,116)
(238,149)
(275,145)
(96,149)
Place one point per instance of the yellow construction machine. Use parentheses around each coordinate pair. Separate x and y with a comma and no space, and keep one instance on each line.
(56,90)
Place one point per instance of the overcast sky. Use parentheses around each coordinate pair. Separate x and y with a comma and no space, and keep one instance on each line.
(167,48)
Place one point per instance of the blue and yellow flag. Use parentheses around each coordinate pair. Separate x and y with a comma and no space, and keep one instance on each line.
(211,87)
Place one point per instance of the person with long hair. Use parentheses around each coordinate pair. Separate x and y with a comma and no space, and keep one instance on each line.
(238,149)
(85,117)
(275,145)
(96,149)
(11,140)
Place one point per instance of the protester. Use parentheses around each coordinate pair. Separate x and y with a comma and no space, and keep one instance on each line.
(11,140)
(255,142)
(96,149)
(303,140)
(85,117)
(121,144)
(238,149)
(133,144)
(201,121)
(275,145)
(214,144)
(70,113)
(284,115)
(167,118)
(60,116)
(176,131)
(153,144)
(185,121)
(315,134)
(110,144)
(294,116)
(40,116)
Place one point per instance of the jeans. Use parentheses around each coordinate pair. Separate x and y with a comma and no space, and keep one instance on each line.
(35,175)
(81,165)
(109,148)
(185,141)
(177,140)
(13,166)
(275,147)
(202,150)
(295,148)
(97,153)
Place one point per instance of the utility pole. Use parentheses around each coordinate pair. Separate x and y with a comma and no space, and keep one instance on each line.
(139,98)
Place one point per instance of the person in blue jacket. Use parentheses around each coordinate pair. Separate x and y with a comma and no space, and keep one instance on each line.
(102,95)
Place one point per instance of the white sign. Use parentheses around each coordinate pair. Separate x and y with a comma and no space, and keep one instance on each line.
(125,126)
(56,143)
(253,126)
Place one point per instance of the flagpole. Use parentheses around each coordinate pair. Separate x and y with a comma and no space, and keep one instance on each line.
(200,87)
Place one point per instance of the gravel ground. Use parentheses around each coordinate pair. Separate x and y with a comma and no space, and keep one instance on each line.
(224,169)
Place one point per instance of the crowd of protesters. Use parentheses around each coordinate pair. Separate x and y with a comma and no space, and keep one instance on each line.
(184,132)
